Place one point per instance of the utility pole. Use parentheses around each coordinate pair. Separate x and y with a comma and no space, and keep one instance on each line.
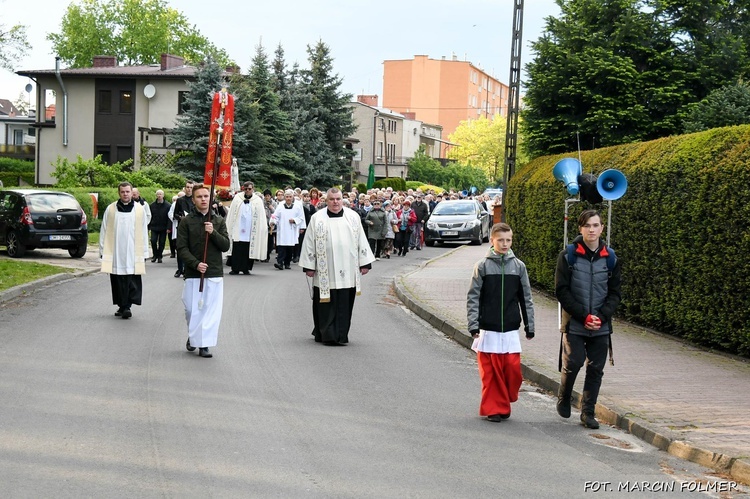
(514,87)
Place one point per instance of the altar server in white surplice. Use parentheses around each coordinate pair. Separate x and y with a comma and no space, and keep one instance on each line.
(289,219)
(335,253)
(123,248)
(248,229)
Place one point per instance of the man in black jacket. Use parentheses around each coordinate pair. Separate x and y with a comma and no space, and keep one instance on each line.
(422,211)
(202,307)
(158,226)
(588,291)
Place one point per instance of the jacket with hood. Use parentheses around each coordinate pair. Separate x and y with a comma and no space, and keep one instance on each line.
(500,295)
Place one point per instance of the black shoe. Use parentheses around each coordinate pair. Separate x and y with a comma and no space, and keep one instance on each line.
(233,272)
(333,344)
(177,274)
(189,347)
(246,272)
(278,266)
(203,352)
(127,314)
(295,260)
(589,421)
(119,312)
(419,249)
(158,260)
(287,267)
(153,259)
(563,408)
(172,255)
(495,418)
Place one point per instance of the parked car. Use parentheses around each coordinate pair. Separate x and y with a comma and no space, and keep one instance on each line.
(458,220)
(34,218)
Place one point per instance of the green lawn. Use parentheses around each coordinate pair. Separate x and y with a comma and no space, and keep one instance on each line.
(15,272)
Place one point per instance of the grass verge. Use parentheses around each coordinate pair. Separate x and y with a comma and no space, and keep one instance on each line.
(14,272)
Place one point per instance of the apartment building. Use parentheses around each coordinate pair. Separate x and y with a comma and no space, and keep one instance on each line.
(442,91)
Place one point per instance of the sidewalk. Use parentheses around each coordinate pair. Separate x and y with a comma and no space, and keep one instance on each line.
(681,399)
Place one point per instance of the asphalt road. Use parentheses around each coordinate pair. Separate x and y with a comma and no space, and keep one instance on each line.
(93,405)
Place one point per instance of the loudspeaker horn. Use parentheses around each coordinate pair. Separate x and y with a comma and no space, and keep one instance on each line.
(612,184)
(566,171)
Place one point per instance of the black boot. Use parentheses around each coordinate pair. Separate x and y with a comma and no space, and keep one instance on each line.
(565,392)
(588,399)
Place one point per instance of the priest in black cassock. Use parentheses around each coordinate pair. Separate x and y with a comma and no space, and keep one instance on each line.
(335,253)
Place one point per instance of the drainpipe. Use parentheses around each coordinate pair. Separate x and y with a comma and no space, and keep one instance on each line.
(65,101)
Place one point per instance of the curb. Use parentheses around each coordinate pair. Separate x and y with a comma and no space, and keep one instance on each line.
(30,287)
(737,468)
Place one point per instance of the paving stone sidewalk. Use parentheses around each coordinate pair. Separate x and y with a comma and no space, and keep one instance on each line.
(682,399)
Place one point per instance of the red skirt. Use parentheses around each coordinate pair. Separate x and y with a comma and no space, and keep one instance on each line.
(501,380)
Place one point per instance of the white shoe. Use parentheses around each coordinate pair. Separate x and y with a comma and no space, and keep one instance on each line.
(377,259)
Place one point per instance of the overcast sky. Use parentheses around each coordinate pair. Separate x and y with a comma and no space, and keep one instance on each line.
(361,34)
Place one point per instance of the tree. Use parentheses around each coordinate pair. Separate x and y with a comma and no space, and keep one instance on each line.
(191,132)
(424,168)
(329,107)
(724,106)
(267,149)
(605,73)
(481,143)
(13,45)
(22,104)
(136,32)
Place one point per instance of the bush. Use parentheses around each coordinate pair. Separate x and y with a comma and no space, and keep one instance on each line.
(680,231)
(361,188)
(396,183)
(12,169)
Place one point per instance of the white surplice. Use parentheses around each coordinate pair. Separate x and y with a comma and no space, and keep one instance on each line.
(129,244)
(336,248)
(203,319)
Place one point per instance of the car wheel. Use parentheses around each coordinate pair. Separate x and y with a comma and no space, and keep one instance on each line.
(14,246)
(77,251)
(430,243)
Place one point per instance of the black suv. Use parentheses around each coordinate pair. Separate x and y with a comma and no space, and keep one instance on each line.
(33,218)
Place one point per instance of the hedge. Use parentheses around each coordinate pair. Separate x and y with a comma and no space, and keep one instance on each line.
(680,230)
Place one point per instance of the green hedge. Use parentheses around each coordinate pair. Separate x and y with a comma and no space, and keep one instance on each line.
(396,183)
(680,230)
(12,169)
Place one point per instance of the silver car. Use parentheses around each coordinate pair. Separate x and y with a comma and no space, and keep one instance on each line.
(458,220)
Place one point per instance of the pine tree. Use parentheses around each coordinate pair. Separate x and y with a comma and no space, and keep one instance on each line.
(265,153)
(329,108)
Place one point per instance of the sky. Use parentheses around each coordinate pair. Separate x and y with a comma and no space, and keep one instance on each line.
(360,34)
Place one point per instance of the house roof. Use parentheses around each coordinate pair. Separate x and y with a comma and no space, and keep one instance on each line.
(134,72)
(7,108)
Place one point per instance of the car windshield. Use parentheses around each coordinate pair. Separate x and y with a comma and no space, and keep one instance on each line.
(453,208)
(51,202)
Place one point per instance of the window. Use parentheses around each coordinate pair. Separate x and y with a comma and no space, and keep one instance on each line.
(391,152)
(124,153)
(105,101)
(392,126)
(381,124)
(126,102)
(103,150)
(379,153)
(182,105)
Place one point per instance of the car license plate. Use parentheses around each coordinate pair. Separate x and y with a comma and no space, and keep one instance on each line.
(59,238)
(450,233)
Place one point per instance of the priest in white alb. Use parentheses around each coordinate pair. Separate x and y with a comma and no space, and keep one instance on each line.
(248,229)
(123,248)
(335,253)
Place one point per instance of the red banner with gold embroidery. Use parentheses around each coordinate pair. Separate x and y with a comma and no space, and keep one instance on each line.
(222,126)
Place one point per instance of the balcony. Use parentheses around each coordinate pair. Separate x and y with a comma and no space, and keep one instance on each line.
(18,152)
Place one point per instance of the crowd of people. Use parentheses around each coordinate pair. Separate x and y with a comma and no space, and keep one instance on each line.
(335,237)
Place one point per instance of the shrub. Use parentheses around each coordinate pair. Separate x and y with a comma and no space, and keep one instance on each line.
(396,183)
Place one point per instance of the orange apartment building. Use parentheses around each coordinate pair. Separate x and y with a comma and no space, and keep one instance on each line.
(445,91)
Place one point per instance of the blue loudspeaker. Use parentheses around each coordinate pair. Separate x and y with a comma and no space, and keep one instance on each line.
(566,171)
(464,193)
(612,184)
